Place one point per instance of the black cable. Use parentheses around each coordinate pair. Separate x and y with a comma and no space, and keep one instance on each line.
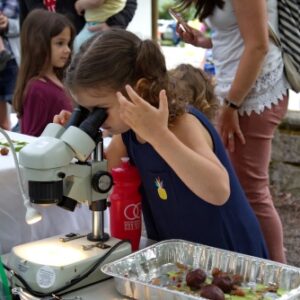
(72,282)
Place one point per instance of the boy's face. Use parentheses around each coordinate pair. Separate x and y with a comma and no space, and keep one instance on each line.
(60,50)
(104,98)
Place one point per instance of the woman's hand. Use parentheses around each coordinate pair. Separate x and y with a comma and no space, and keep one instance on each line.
(193,36)
(229,128)
(143,118)
(62,118)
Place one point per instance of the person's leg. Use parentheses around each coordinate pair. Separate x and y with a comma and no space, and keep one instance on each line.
(83,36)
(251,162)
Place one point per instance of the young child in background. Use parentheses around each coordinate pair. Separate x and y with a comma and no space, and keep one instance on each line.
(189,189)
(95,12)
(194,85)
(46,41)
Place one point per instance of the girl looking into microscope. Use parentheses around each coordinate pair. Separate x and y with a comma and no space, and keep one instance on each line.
(189,189)
(46,40)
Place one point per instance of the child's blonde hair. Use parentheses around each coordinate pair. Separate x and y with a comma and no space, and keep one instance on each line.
(192,85)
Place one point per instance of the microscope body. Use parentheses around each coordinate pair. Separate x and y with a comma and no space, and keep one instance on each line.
(55,166)
(65,166)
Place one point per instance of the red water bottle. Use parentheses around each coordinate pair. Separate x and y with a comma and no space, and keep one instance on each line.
(125,207)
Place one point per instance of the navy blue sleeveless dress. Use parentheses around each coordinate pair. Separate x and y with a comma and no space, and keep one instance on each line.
(172,211)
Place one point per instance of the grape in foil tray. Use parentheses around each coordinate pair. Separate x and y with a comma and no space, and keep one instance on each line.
(195,278)
(217,286)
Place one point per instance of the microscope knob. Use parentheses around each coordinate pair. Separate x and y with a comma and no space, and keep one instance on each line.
(102,181)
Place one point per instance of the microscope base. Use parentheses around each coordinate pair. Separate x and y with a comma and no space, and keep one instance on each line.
(50,264)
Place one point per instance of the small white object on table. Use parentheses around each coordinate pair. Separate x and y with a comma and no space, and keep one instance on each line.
(13,228)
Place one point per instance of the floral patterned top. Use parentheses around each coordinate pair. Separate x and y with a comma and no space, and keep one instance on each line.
(270,85)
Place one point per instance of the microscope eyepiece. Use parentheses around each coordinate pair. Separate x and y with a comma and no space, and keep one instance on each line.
(91,125)
(79,114)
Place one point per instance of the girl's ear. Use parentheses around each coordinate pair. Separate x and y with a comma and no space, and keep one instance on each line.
(142,87)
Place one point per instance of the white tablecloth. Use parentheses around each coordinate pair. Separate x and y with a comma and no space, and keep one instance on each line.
(13,228)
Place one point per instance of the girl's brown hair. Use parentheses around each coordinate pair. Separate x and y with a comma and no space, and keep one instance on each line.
(204,8)
(193,86)
(117,57)
(39,27)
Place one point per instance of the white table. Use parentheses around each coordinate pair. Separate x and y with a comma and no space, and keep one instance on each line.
(13,228)
(56,221)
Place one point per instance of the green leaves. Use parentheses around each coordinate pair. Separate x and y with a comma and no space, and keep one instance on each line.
(18,145)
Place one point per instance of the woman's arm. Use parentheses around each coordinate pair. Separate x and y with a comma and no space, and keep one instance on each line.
(187,148)
(82,5)
(124,17)
(252,21)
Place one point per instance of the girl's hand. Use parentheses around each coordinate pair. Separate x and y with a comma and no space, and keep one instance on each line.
(143,118)
(229,128)
(62,118)
(193,36)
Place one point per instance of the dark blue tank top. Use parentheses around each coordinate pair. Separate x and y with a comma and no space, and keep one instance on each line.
(172,211)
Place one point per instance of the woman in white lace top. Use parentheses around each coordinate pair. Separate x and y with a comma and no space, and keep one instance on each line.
(250,83)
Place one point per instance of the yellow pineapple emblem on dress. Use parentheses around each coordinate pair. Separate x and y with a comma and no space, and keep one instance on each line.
(162,193)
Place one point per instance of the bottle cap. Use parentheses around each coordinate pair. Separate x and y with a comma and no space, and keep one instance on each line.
(126,172)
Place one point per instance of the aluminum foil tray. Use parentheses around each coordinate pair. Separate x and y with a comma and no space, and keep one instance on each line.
(134,273)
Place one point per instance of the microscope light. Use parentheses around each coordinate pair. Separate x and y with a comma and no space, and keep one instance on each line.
(32,215)
(51,252)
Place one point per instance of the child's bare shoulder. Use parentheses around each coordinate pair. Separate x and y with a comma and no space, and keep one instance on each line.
(187,122)
(190,130)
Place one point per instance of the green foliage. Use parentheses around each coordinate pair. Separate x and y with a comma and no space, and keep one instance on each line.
(164,5)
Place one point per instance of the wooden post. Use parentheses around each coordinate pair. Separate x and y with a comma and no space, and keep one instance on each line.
(154,9)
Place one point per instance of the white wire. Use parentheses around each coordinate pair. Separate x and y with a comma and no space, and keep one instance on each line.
(19,175)
(22,294)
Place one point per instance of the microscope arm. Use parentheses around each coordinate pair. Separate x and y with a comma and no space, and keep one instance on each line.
(59,171)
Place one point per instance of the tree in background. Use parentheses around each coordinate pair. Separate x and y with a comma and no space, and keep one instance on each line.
(164,5)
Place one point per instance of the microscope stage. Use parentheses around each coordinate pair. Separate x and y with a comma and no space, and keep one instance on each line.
(49,264)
